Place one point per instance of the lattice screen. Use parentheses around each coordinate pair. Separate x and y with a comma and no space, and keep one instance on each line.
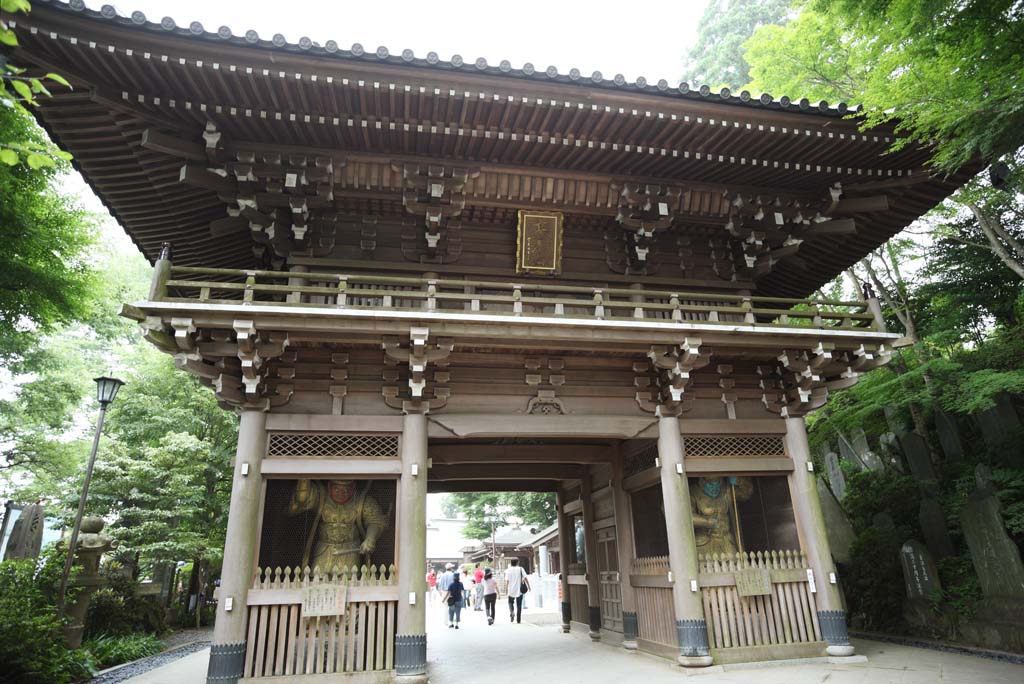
(640,460)
(322,445)
(702,446)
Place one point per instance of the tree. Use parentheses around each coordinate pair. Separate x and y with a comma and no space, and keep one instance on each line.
(717,58)
(165,477)
(946,73)
(482,508)
(46,276)
(17,90)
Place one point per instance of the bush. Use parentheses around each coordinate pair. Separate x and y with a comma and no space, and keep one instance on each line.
(31,641)
(118,609)
(109,650)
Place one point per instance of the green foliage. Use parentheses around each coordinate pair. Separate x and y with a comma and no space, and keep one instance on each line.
(31,642)
(117,609)
(110,650)
(717,58)
(874,591)
(481,508)
(17,89)
(942,71)
(164,478)
(46,278)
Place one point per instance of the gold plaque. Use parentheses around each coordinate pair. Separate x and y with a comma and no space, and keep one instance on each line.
(753,582)
(539,243)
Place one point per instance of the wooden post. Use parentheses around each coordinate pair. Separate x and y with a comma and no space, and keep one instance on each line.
(227,654)
(691,627)
(411,633)
(626,553)
(565,537)
(593,572)
(295,296)
(810,525)
(161,274)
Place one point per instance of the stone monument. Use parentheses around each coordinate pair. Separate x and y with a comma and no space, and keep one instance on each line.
(863,450)
(921,579)
(837,525)
(999,622)
(26,534)
(949,436)
(1001,429)
(836,479)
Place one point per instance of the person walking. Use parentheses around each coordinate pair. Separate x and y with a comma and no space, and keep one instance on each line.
(490,589)
(432,584)
(444,580)
(478,588)
(518,584)
(455,598)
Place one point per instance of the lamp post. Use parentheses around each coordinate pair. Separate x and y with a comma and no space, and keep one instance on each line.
(106,390)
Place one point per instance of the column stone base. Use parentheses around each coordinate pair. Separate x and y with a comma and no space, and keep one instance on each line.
(227,663)
(695,661)
(595,622)
(630,630)
(411,657)
(566,616)
(833,631)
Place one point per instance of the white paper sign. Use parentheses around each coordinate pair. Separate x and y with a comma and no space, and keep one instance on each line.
(323,599)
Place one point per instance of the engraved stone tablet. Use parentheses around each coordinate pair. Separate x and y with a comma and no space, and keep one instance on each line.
(323,599)
(754,582)
(539,243)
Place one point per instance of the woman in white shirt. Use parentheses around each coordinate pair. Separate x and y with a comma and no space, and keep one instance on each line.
(515,578)
(490,594)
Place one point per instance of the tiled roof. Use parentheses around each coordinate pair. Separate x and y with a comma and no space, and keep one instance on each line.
(195,30)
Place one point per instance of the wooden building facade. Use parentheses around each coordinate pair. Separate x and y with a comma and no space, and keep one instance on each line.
(409,274)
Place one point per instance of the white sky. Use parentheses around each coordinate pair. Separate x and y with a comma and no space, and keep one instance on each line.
(635,39)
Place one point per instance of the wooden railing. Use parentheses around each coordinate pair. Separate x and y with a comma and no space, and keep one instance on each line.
(499,299)
(352,632)
(775,606)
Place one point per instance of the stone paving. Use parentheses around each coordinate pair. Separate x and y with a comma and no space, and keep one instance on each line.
(511,654)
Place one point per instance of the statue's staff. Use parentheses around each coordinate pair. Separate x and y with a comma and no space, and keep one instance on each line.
(736,514)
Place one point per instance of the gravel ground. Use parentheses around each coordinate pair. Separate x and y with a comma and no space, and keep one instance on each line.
(138,667)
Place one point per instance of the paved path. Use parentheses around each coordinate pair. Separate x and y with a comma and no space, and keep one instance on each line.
(512,654)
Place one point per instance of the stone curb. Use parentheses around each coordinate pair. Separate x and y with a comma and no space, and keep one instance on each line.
(119,673)
(961,649)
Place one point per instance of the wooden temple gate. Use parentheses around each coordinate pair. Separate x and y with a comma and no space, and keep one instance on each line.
(407,273)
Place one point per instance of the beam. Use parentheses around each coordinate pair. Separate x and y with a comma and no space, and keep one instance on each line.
(511,471)
(446,486)
(450,454)
(156,141)
(857,205)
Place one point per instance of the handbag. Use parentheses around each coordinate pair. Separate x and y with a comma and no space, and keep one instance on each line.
(523,586)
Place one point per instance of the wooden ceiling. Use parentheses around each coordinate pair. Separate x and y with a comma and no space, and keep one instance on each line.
(529,132)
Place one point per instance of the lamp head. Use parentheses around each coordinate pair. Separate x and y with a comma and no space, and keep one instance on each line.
(106,389)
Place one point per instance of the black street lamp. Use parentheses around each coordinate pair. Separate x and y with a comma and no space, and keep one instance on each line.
(106,390)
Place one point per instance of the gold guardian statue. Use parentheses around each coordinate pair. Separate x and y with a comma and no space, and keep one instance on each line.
(347,525)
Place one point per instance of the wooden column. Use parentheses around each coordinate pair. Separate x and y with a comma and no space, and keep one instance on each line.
(411,632)
(626,553)
(691,627)
(227,654)
(565,538)
(593,572)
(810,525)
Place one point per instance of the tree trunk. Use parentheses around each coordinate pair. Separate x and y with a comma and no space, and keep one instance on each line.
(1012,252)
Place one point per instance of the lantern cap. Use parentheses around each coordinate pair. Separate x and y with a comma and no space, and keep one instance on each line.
(106,388)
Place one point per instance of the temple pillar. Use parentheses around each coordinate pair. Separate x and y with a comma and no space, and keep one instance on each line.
(411,632)
(810,525)
(227,654)
(593,572)
(626,554)
(565,537)
(691,627)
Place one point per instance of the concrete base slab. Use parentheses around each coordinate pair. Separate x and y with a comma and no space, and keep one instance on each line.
(847,660)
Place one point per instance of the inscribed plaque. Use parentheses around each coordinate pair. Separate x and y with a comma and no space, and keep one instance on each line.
(323,599)
(539,243)
(754,582)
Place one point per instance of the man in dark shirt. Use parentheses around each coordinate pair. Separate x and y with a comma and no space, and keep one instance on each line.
(454,597)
